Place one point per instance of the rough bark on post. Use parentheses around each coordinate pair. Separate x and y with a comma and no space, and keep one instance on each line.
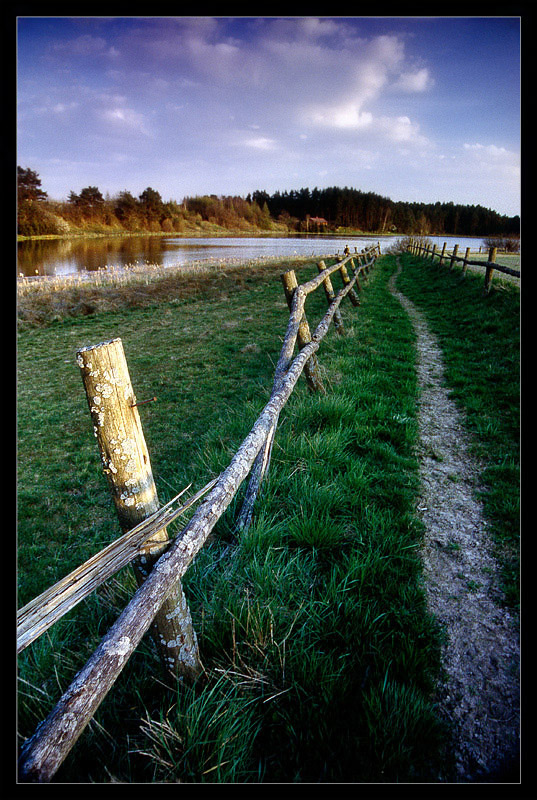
(454,255)
(262,461)
(311,370)
(356,271)
(489,270)
(125,459)
(353,297)
(329,291)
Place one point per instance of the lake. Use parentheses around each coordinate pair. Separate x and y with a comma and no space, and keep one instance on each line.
(59,257)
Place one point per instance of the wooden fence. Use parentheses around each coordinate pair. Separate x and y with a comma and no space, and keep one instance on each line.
(159,604)
(424,250)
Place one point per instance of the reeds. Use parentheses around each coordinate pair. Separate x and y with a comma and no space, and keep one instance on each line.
(45,299)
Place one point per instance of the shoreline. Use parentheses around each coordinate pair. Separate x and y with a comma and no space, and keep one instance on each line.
(231,234)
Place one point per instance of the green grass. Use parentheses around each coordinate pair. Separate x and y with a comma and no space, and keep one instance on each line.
(320,657)
(480,341)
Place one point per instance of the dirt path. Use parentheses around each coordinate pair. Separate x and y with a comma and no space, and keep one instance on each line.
(480,690)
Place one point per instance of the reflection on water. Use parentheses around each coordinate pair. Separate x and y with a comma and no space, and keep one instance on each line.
(67,256)
(71,256)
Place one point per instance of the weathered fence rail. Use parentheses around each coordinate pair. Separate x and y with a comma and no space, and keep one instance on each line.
(44,752)
(424,250)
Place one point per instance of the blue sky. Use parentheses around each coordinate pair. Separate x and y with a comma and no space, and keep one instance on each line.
(413,108)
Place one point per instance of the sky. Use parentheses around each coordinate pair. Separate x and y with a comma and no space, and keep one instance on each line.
(418,109)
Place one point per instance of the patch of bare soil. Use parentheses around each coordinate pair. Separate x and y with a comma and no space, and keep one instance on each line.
(479,694)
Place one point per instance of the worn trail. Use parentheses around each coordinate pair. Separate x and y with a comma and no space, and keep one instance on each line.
(479,693)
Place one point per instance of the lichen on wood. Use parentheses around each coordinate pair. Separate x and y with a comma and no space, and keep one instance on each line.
(126,463)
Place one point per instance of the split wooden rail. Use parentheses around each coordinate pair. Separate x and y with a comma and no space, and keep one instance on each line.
(160,563)
(422,249)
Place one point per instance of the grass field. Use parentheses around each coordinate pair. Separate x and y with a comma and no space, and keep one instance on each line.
(319,654)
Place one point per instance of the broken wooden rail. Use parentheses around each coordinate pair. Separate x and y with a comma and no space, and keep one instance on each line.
(44,752)
(422,249)
(41,613)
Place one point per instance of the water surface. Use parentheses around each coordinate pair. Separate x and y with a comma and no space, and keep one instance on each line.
(50,257)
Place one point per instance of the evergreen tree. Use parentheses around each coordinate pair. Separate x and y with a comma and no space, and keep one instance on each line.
(29,186)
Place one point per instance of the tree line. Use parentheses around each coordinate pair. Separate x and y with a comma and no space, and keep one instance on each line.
(373,213)
(319,210)
(90,211)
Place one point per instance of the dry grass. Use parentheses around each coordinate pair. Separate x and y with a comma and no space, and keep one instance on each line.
(45,300)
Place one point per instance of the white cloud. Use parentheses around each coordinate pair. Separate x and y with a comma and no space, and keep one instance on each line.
(384,129)
(367,75)
(487,150)
(314,27)
(418,81)
(112,110)
(347,116)
(490,158)
(260,143)
(401,129)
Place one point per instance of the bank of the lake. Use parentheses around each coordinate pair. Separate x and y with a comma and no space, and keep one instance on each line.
(47,257)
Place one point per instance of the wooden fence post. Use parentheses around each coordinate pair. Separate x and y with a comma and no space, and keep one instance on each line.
(433,253)
(353,297)
(311,370)
(453,256)
(465,263)
(441,262)
(489,270)
(125,459)
(329,292)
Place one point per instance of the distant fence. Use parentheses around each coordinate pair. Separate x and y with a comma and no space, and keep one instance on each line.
(159,603)
(425,250)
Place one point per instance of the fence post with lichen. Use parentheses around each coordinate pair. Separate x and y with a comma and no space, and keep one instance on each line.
(311,370)
(329,291)
(125,460)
